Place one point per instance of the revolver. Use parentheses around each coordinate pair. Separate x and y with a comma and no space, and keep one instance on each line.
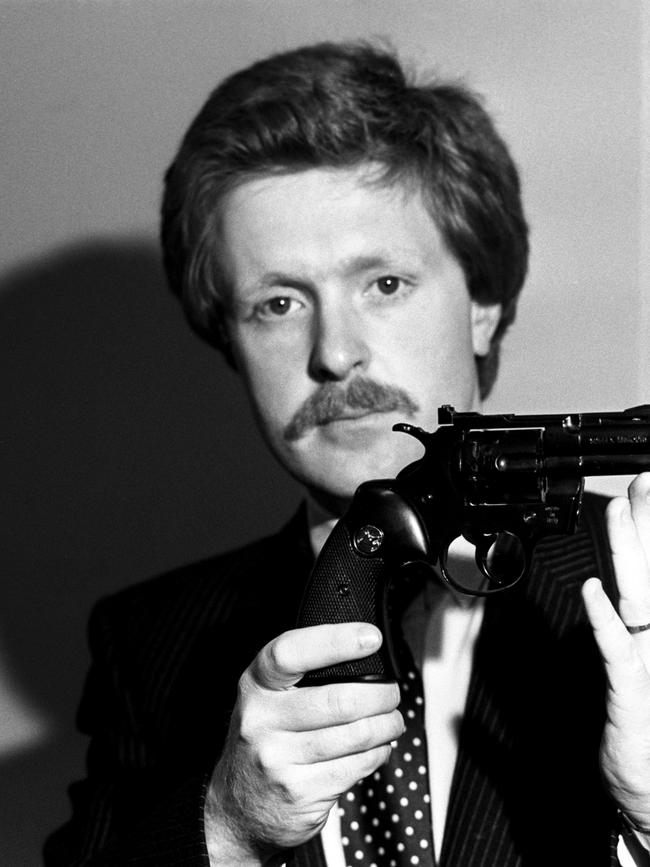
(502,482)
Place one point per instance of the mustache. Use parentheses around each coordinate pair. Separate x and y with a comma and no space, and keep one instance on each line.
(332,399)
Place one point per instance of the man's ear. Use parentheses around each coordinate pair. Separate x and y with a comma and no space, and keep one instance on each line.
(485,318)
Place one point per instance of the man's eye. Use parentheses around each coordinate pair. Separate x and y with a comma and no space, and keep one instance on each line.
(279,306)
(388,285)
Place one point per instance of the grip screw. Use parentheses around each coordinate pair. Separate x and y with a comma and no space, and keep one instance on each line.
(368,539)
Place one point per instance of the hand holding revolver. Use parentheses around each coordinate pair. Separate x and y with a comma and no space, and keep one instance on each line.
(291,752)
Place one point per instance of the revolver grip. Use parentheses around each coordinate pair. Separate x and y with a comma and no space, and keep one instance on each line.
(346,586)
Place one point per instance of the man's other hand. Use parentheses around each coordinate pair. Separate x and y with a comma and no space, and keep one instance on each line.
(623,637)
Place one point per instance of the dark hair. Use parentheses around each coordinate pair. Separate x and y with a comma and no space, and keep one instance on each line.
(340,105)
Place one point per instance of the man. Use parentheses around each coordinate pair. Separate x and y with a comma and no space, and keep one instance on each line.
(355,243)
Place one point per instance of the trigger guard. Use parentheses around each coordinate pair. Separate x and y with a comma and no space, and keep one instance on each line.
(482,547)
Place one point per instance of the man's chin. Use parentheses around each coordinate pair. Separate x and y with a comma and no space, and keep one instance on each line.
(333,505)
(334,486)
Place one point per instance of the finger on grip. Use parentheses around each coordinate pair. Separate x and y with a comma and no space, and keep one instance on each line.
(286,659)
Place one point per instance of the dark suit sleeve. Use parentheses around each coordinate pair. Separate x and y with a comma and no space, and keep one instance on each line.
(136,806)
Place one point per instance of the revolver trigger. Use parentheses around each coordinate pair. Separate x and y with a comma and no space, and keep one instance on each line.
(483,546)
(502,557)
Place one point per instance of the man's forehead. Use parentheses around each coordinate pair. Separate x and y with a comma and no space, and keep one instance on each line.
(294,215)
(339,181)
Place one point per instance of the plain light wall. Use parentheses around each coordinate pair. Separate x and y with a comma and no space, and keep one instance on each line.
(95,97)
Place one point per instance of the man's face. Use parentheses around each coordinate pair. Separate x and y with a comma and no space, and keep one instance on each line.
(348,315)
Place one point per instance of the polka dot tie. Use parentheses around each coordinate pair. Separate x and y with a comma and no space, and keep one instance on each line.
(386,818)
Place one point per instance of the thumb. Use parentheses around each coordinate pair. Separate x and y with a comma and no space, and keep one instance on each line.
(284,661)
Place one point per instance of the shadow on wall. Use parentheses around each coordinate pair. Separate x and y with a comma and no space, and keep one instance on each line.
(126,449)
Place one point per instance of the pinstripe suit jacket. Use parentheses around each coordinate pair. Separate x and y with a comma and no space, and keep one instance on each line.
(167,655)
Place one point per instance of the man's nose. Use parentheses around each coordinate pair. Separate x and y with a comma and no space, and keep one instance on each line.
(339,346)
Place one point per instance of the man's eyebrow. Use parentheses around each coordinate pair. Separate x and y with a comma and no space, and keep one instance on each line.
(280,278)
(394,258)
(297,274)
